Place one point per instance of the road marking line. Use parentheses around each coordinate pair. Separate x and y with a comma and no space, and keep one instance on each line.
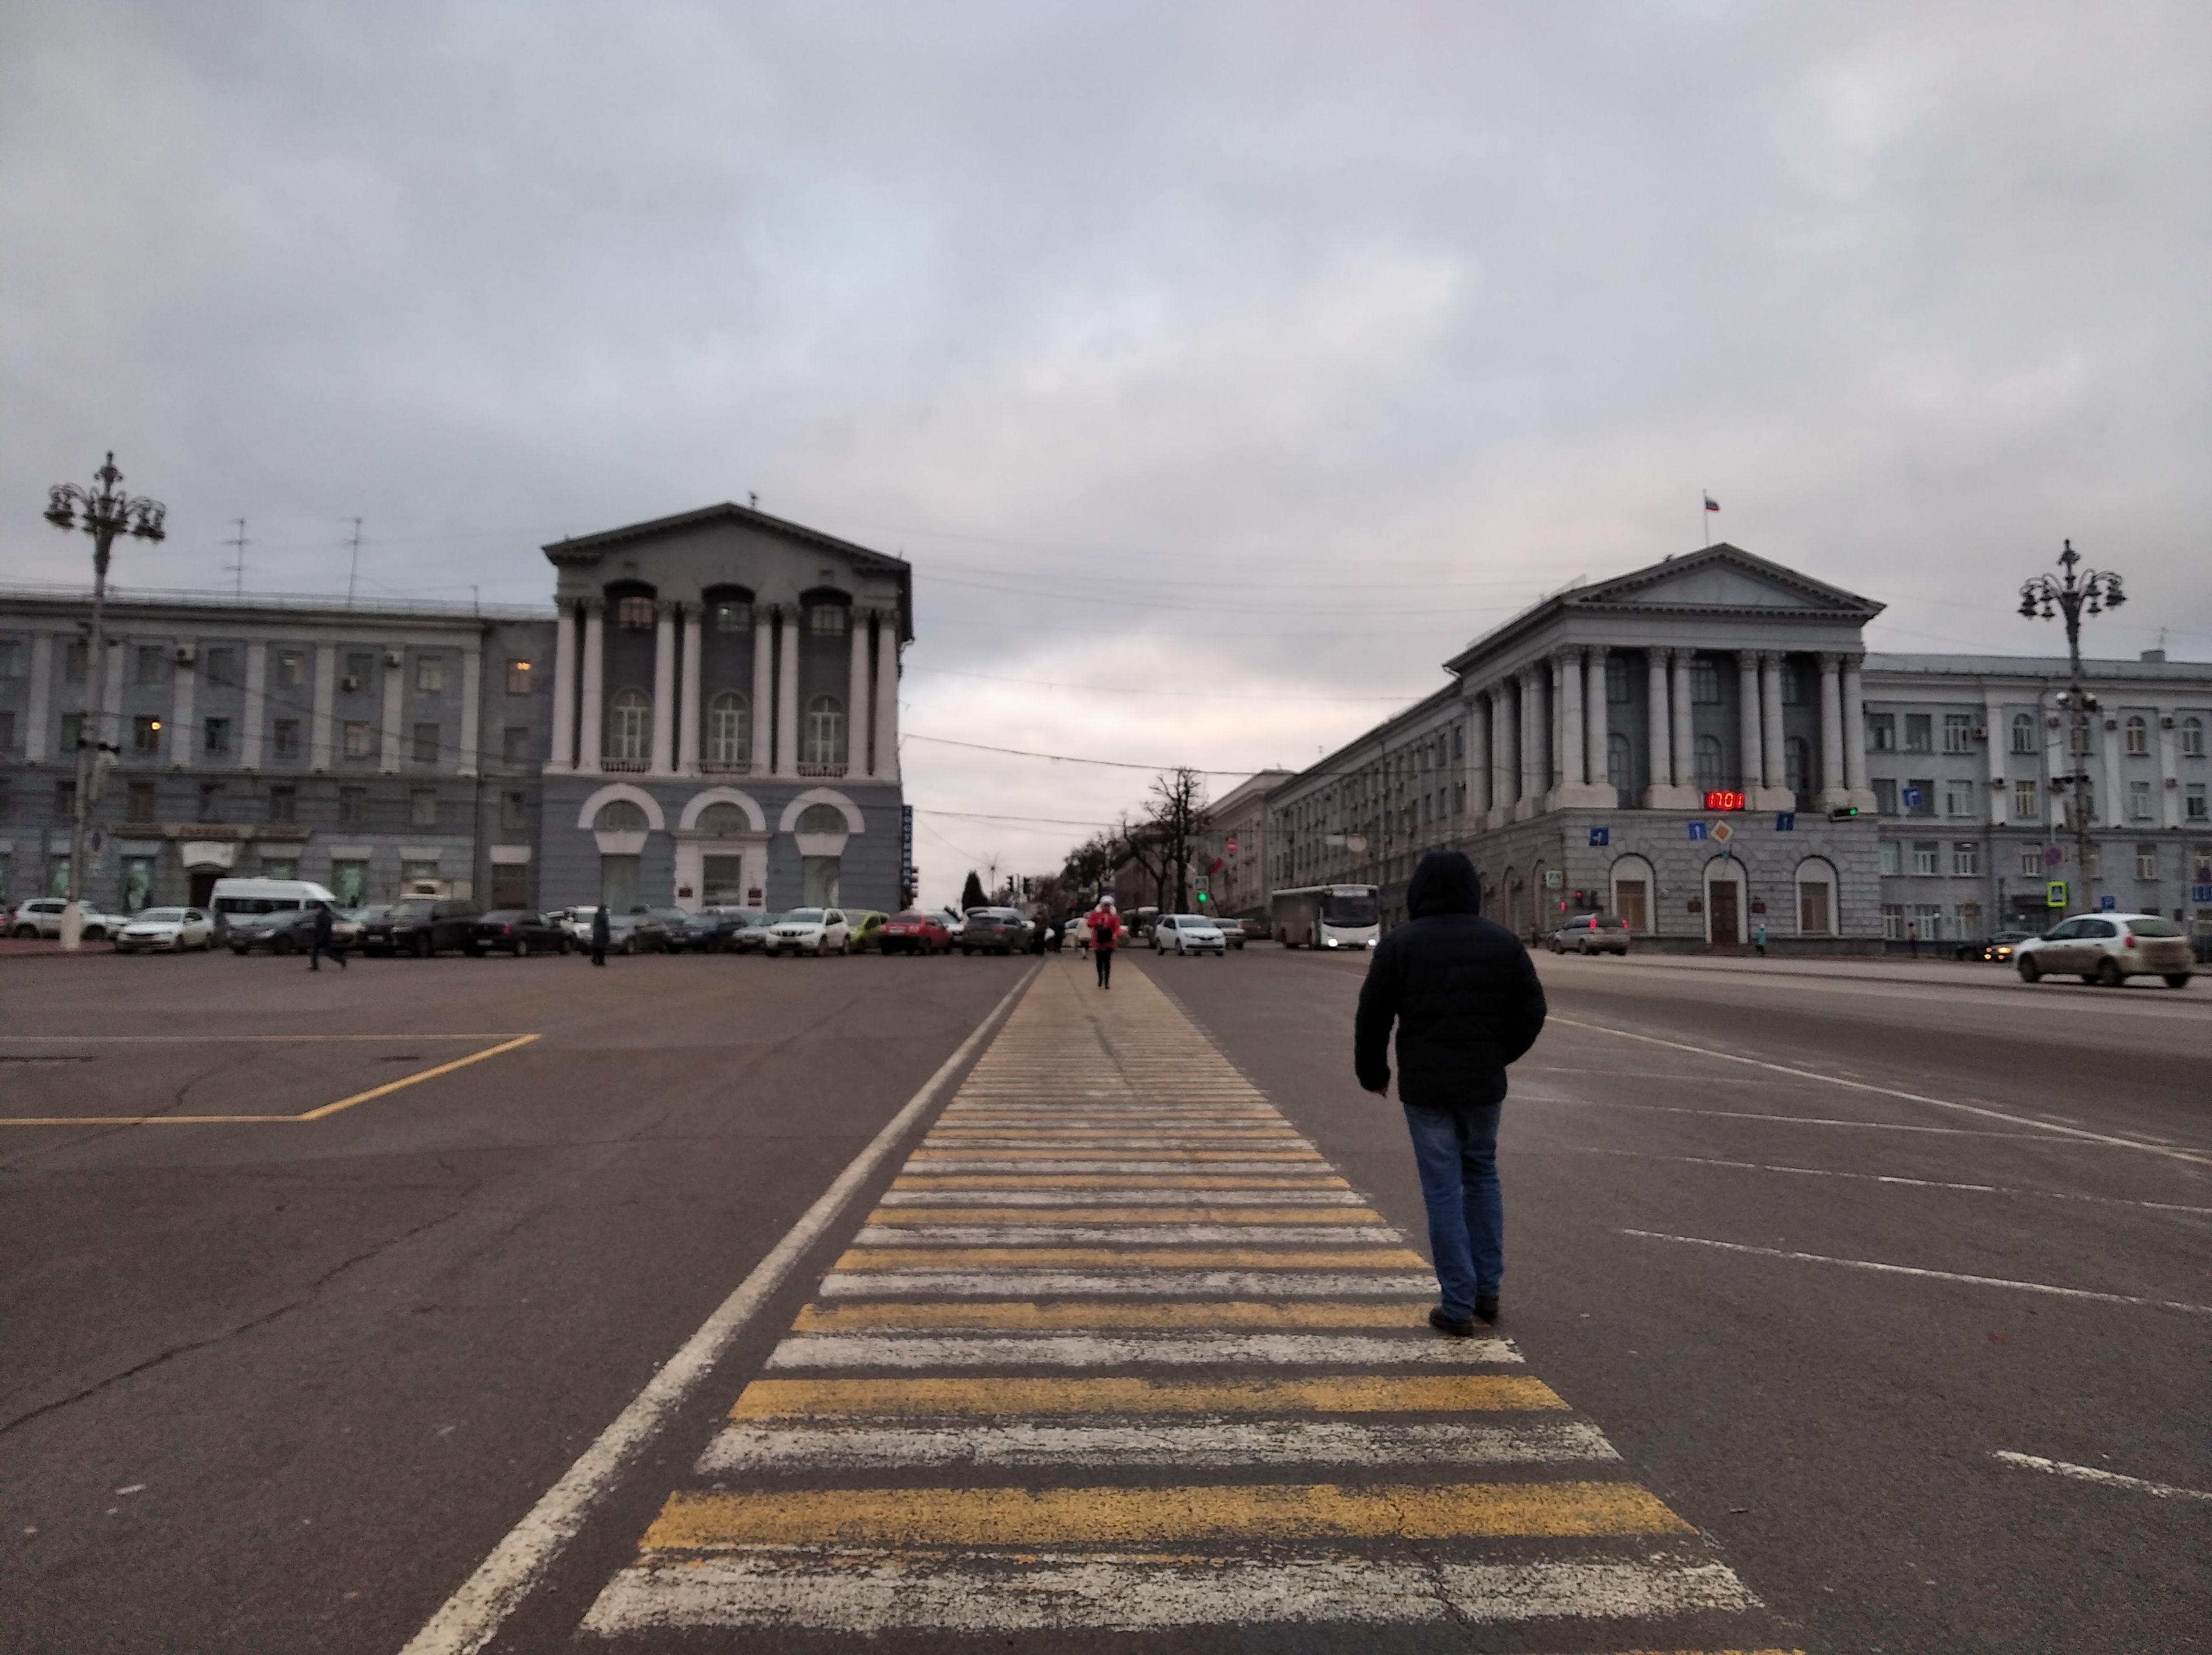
(1340,1218)
(1313,1199)
(471,1617)
(1150,1284)
(1987,1113)
(1082,1350)
(223,1039)
(1037,1232)
(2091,1474)
(1535,1095)
(1419,1393)
(1213,1179)
(1091,1314)
(1232,1259)
(1933,1275)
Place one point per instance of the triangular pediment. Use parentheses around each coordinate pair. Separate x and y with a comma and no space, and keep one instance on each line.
(1720,578)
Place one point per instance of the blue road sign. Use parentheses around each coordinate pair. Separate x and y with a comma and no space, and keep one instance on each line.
(1697,829)
(1786,822)
(1600,835)
(2108,902)
(2200,894)
(1912,798)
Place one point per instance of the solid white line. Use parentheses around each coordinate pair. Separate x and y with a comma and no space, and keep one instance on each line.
(1073,1350)
(1932,1276)
(954,1195)
(1125,1284)
(1987,1113)
(857,1592)
(471,1617)
(1288,1164)
(1049,1235)
(2091,1474)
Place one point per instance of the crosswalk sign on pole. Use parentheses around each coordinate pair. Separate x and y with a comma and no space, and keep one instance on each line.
(2056,895)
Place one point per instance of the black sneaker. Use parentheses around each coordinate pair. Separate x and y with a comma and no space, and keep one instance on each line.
(1458,1326)
(1485,1309)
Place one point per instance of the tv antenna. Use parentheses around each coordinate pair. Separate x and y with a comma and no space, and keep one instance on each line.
(353,567)
(238,544)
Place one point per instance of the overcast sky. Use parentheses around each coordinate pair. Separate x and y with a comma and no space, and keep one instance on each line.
(1221,368)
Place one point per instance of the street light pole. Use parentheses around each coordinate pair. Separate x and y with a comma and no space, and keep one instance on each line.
(103,513)
(2093,591)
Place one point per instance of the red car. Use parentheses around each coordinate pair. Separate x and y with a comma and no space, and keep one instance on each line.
(915,932)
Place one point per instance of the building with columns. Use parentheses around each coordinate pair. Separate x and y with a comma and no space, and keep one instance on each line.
(724,716)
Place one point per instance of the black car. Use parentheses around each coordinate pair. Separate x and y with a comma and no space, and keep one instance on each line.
(691,934)
(421,926)
(718,930)
(516,931)
(993,931)
(287,931)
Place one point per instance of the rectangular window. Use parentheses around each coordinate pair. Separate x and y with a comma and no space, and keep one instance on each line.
(353,806)
(2139,801)
(423,807)
(409,873)
(1924,855)
(2023,734)
(287,738)
(64,801)
(1919,732)
(1958,798)
(1885,795)
(515,745)
(1966,859)
(72,732)
(11,658)
(826,620)
(2026,803)
(360,739)
(2193,802)
(291,668)
(349,883)
(2079,740)
(634,614)
(1923,788)
(1704,683)
(1881,733)
(1927,921)
(1892,921)
(217,734)
(222,667)
(280,867)
(1793,685)
(733,615)
(2031,861)
(2146,861)
(513,810)
(425,744)
(1970,919)
(1812,909)
(1958,733)
(152,663)
(1616,679)
(142,803)
(73,660)
(429,675)
(283,804)
(146,735)
(361,667)
(6,732)
(1890,853)
(518,678)
(210,801)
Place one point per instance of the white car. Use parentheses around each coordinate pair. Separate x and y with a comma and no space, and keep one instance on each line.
(1188,934)
(2108,949)
(815,931)
(41,916)
(167,930)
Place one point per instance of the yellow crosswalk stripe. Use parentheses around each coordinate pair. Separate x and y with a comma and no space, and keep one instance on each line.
(899,1313)
(950,1398)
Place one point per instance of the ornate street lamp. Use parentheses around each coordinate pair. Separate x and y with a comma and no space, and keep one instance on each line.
(103,513)
(2092,593)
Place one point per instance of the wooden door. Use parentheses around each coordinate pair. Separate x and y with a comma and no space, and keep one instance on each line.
(1726,932)
(1629,894)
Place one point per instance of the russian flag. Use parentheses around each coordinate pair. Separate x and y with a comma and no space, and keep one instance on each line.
(1711,504)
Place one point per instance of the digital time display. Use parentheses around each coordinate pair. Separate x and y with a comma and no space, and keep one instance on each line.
(1724,801)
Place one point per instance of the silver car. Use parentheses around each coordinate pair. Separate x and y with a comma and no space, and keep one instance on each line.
(1188,934)
(815,931)
(2108,949)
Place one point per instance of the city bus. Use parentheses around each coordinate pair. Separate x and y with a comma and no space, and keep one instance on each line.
(1327,917)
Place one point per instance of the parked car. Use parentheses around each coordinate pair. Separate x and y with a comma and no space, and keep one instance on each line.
(421,926)
(1232,932)
(914,931)
(1188,934)
(993,931)
(867,928)
(748,938)
(518,932)
(288,931)
(245,900)
(41,916)
(673,924)
(954,922)
(714,930)
(631,932)
(2108,949)
(1591,933)
(815,931)
(166,931)
(1997,949)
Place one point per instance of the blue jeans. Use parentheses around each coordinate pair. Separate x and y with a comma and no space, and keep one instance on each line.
(1456,1150)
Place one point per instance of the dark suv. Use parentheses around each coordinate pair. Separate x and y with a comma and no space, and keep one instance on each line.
(421,926)
(995,930)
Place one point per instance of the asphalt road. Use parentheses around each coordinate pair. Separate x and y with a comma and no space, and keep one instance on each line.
(334,1362)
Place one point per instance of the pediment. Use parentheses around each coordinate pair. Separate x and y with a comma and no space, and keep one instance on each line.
(1720,578)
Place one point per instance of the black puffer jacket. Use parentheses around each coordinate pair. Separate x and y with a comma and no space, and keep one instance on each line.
(1462,989)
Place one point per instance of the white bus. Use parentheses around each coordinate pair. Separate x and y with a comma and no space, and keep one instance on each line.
(1327,917)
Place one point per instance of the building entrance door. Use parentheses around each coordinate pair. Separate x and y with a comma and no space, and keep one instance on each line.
(202,886)
(1721,899)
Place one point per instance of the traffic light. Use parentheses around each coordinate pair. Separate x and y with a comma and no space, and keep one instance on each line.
(1842,813)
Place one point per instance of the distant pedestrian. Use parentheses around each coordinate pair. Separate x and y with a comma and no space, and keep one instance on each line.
(1464,995)
(601,929)
(1759,939)
(320,939)
(1105,933)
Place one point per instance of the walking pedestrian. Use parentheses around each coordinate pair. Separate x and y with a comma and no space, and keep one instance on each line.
(1759,939)
(600,929)
(1464,995)
(1105,933)
(320,942)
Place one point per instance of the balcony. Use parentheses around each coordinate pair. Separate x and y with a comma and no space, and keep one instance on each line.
(625,766)
(727,767)
(808,767)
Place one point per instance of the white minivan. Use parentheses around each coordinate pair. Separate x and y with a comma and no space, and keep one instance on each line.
(247,903)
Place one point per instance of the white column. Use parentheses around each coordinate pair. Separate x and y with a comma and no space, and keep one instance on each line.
(470,745)
(326,688)
(1535,762)
(1505,754)
(1685,742)
(395,688)
(1597,735)
(593,692)
(1994,720)
(1478,761)
(787,693)
(182,744)
(1574,732)
(40,711)
(1833,793)
(887,682)
(2169,784)
(1660,790)
(763,713)
(564,691)
(1776,763)
(856,693)
(686,730)
(1750,749)
(1854,771)
(664,687)
(2115,809)
(256,706)
(110,722)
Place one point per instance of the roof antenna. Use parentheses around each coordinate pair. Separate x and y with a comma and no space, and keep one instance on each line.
(352,569)
(238,543)
(753,499)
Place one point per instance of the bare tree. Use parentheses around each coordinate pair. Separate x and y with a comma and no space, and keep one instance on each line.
(1177,816)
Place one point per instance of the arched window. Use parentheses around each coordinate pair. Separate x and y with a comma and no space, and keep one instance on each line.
(729,731)
(2080,742)
(2138,736)
(723,821)
(1816,897)
(1618,772)
(2023,732)
(821,818)
(1797,765)
(826,620)
(825,734)
(1708,764)
(2192,738)
(629,726)
(623,816)
(634,614)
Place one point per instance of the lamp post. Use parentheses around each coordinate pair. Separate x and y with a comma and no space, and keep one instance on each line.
(2092,591)
(103,513)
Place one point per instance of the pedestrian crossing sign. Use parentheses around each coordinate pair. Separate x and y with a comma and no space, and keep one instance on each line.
(2056,895)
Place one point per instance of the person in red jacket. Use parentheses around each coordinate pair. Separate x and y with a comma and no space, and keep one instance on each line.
(1105,932)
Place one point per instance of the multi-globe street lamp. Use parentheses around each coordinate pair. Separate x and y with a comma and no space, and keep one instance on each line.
(2092,591)
(102,512)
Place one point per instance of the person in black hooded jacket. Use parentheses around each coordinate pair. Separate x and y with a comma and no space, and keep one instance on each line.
(1464,995)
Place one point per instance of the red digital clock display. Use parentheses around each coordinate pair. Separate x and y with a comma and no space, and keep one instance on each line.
(1724,801)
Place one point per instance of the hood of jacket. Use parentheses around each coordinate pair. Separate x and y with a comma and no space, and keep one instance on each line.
(1445,882)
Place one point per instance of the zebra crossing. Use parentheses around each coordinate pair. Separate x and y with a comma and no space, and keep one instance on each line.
(1120,1352)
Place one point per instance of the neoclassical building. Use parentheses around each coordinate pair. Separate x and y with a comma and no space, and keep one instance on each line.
(725,720)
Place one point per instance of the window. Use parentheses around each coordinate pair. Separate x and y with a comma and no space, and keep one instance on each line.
(629,724)
(826,620)
(1919,732)
(429,675)
(11,658)
(1927,921)
(146,735)
(623,816)
(722,821)
(350,882)
(1708,764)
(2026,804)
(1966,859)
(2192,738)
(73,660)
(217,734)
(153,659)
(1617,760)
(283,804)
(515,745)
(2139,801)
(423,807)
(64,801)
(2079,742)
(72,732)
(825,731)
(1958,798)
(422,868)
(513,810)
(291,668)
(1922,787)
(2138,736)
(729,731)
(1970,919)
(280,867)
(1704,683)
(210,801)
(1885,795)
(2146,861)
(221,667)
(142,805)
(287,738)
(1616,679)
(821,818)
(1881,733)
(1890,854)
(2031,861)
(2023,732)
(1459,741)
(1958,733)
(361,667)
(360,739)
(518,678)
(1797,765)
(353,806)
(634,614)
(2193,802)
(1892,921)
(7,731)
(425,744)
(1925,854)
(733,615)
(1815,909)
